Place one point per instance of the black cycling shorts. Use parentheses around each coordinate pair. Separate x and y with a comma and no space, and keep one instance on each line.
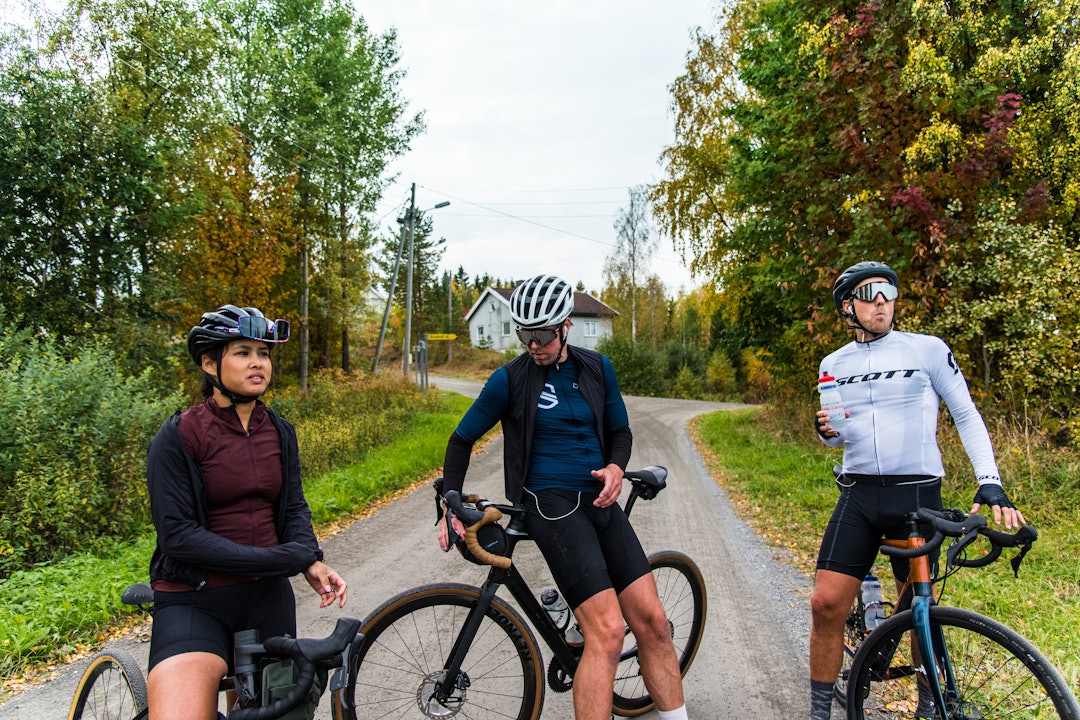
(205,620)
(864,515)
(588,549)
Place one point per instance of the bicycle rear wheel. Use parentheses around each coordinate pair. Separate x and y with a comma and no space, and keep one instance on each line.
(111,688)
(408,639)
(996,672)
(682,593)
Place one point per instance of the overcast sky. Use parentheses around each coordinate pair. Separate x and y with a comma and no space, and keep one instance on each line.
(540,116)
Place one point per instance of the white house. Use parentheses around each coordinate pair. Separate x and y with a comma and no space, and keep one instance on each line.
(490,325)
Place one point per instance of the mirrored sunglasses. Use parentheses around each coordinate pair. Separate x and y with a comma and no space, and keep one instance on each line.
(870,291)
(260,328)
(542,336)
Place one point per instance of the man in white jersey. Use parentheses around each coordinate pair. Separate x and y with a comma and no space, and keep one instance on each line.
(891,383)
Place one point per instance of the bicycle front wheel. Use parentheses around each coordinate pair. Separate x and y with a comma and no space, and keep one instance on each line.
(111,688)
(407,642)
(682,593)
(995,672)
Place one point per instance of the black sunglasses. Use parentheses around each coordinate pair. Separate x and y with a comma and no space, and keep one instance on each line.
(541,336)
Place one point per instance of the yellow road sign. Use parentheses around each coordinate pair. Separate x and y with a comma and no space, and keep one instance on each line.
(441,336)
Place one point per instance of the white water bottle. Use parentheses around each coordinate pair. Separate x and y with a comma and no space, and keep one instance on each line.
(556,607)
(831,402)
(560,614)
(873,602)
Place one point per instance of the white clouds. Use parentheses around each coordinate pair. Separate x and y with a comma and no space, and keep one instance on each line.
(526,99)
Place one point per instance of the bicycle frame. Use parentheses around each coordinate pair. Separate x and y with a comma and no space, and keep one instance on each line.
(918,590)
(519,589)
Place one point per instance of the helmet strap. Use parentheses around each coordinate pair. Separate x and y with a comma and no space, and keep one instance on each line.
(854,324)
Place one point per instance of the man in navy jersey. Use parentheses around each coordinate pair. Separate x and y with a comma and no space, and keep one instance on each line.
(567,441)
(892,384)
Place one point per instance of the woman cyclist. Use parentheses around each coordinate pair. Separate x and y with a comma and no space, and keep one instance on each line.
(231,519)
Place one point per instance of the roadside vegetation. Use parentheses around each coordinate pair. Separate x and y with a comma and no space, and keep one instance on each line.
(780,480)
(74,522)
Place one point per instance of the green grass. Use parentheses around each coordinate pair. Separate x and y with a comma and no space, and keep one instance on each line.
(53,613)
(782,484)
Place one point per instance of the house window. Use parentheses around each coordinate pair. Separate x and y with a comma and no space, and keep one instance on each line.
(479,332)
(589,327)
(506,329)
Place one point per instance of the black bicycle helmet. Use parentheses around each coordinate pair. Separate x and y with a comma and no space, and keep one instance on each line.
(542,301)
(849,279)
(217,328)
(211,335)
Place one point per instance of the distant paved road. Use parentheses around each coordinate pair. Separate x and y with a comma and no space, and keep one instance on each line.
(752,661)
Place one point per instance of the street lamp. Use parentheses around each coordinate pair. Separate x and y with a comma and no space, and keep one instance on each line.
(407,227)
(411,214)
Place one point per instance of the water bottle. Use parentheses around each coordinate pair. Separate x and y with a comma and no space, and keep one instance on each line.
(873,602)
(556,607)
(560,615)
(831,402)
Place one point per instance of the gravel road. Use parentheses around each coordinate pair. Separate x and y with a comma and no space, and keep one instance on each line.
(752,660)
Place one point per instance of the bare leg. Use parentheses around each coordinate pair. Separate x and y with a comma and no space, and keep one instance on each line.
(185,687)
(656,653)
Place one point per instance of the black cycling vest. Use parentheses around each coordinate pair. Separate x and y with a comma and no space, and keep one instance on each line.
(526,380)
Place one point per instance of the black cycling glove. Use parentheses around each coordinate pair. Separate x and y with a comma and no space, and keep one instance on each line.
(990,494)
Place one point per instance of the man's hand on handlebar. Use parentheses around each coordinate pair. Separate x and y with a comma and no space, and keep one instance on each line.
(444,532)
(994,495)
(611,476)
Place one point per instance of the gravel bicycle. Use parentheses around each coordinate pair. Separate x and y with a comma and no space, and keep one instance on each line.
(971,666)
(454,650)
(113,686)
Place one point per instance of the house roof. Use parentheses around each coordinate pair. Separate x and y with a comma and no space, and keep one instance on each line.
(585,305)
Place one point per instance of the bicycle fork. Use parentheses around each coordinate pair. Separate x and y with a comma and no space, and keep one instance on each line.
(448,691)
(934,652)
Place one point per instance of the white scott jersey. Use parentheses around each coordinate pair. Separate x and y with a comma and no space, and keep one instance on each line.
(892,388)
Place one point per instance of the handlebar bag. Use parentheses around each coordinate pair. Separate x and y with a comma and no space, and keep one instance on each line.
(278,678)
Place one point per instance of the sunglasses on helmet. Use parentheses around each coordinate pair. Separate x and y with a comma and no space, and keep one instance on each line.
(542,336)
(870,291)
(260,328)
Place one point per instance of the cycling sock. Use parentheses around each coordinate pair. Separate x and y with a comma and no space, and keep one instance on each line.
(821,697)
(678,713)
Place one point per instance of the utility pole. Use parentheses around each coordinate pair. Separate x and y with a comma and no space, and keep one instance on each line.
(389,298)
(410,218)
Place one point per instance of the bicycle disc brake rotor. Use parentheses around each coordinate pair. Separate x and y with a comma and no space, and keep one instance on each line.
(431,706)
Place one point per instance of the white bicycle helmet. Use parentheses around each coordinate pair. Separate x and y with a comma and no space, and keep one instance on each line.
(542,301)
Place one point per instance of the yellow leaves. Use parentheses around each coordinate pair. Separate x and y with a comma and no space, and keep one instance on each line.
(937,144)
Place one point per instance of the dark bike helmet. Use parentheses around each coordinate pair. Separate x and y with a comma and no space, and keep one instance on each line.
(542,301)
(214,331)
(848,280)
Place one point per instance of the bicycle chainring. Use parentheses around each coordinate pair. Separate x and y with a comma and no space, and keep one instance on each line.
(431,706)
(558,679)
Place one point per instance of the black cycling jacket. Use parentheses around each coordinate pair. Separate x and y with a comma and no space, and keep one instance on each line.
(186,547)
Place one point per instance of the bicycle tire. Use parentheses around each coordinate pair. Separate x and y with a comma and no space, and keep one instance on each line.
(682,593)
(408,639)
(111,688)
(853,638)
(998,673)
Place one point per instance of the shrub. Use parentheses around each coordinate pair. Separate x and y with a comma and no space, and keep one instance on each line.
(342,417)
(73,438)
(639,367)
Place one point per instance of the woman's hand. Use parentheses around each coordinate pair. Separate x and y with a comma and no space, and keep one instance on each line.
(325,581)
